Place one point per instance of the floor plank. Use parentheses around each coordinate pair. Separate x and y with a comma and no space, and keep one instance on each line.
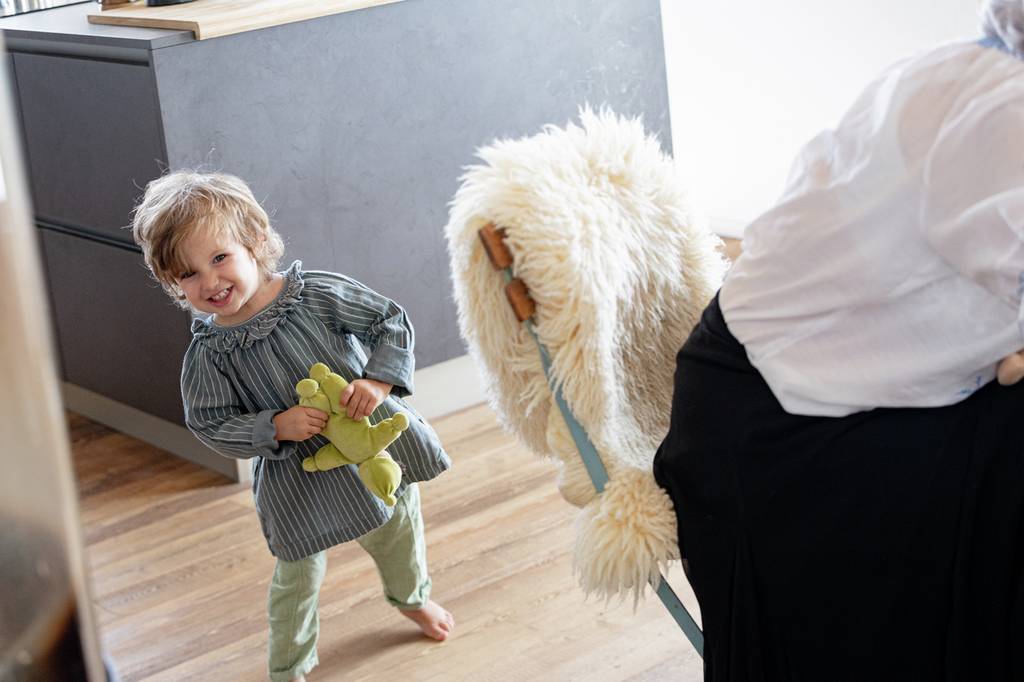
(180,573)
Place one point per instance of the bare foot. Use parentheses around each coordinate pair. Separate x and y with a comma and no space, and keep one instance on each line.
(435,622)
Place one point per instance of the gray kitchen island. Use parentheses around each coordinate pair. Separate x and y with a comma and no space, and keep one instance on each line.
(352,129)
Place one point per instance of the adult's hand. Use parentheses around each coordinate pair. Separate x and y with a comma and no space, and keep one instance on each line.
(1011,369)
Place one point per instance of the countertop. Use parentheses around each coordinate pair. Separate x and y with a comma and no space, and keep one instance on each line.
(217,18)
(66,30)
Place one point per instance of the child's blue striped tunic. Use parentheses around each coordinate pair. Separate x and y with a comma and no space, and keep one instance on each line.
(236,379)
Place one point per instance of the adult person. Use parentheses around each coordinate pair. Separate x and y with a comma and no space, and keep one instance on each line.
(847,475)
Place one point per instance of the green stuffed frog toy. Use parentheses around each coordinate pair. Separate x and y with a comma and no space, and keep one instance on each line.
(352,441)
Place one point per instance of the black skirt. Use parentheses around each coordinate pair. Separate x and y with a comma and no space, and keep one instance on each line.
(885,545)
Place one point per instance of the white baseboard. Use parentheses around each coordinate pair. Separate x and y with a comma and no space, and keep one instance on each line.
(446,387)
(443,388)
(156,431)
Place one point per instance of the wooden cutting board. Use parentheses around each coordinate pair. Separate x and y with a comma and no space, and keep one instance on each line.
(213,18)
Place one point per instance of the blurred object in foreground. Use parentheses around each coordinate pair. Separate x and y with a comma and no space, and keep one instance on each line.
(47,633)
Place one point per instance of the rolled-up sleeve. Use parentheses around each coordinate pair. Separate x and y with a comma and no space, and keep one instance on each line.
(377,322)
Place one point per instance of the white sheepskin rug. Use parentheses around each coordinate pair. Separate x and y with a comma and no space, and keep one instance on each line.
(620,270)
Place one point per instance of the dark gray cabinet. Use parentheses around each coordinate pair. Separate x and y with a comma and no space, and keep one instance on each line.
(118,333)
(93,139)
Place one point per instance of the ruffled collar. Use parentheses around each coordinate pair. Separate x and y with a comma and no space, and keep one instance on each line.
(259,326)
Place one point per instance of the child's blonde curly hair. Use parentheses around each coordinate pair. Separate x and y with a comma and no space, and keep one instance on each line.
(181,203)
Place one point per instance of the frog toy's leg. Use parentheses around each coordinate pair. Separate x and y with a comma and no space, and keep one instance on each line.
(359,441)
(385,432)
(311,395)
(319,372)
(326,458)
(381,475)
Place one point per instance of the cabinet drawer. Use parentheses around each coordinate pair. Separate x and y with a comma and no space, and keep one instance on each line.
(92,138)
(118,333)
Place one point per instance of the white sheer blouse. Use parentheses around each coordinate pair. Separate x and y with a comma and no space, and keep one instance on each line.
(891,271)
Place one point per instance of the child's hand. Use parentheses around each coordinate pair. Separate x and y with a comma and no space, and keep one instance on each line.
(363,396)
(299,423)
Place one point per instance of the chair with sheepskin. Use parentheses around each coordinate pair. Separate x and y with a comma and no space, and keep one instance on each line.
(620,269)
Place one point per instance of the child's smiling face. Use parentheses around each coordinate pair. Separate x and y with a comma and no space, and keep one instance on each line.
(223,278)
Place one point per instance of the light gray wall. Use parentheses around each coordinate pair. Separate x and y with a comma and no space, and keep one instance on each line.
(354,129)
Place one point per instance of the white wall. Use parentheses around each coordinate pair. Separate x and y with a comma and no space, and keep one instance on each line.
(750,81)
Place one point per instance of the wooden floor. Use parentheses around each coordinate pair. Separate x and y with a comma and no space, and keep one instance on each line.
(180,573)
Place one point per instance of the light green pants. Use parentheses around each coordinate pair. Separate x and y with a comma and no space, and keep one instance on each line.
(399,551)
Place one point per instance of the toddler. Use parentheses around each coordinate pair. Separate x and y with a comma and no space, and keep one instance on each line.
(210,245)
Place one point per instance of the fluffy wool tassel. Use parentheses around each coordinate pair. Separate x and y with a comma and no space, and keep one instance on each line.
(620,268)
(624,537)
